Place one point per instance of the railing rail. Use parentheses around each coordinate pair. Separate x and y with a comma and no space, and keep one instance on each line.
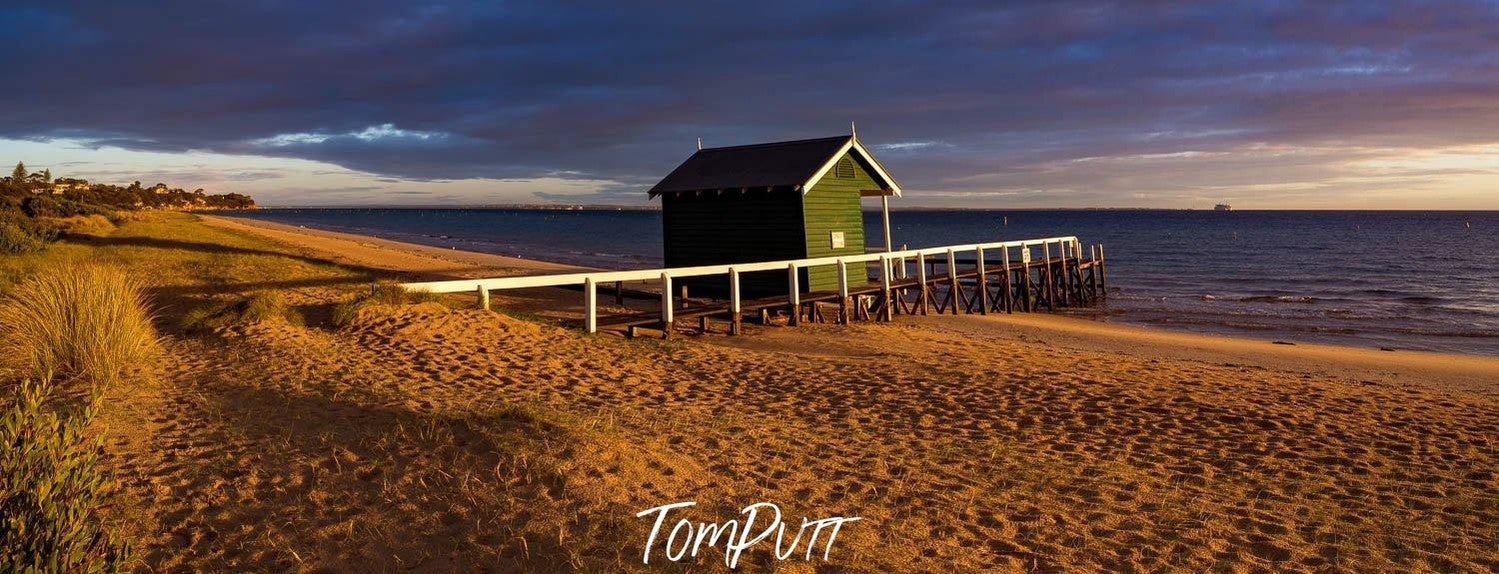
(895,259)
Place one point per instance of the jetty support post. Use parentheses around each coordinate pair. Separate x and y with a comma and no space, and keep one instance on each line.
(734,310)
(483,297)
(666,312)
(590,306)
(842,292)
(983,282)
(921,280)
(794,297)
(954,295)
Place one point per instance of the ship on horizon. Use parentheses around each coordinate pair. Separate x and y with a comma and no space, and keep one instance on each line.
(1223,207)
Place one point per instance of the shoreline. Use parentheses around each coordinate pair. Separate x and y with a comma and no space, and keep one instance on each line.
(1445,371)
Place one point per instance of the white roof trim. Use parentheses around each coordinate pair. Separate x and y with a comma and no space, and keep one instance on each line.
(852,144)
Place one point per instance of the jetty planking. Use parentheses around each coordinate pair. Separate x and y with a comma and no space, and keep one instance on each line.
(986,280)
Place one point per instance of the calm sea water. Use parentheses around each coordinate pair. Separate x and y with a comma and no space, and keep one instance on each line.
(1409,280)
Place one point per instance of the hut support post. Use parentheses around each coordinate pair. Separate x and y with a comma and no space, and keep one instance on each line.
(619,293)
(734,310)
(590,306)
(795,295)
(983,283)
(483,297)
(885,217)
(842,293)
(666,315)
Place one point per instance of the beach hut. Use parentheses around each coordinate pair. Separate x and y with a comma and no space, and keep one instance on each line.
(772,201)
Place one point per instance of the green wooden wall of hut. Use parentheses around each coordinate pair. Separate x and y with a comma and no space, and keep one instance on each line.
(732,226)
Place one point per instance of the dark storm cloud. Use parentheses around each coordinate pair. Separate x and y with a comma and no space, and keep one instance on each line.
(961,96)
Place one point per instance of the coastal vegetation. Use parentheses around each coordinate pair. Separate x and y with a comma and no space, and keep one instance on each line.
(35,207)
(72,332)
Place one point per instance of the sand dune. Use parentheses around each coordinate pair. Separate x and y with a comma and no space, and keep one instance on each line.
(437,439)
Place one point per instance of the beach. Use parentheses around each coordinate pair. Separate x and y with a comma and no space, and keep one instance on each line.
(436,436)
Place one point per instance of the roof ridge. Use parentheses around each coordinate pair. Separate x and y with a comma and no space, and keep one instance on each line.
(774,144)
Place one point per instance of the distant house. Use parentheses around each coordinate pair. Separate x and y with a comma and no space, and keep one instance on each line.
(63,185)
(772,201)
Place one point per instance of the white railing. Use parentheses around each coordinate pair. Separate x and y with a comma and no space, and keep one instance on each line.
(1067,247)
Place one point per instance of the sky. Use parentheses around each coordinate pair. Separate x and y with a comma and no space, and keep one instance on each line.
(1270,105)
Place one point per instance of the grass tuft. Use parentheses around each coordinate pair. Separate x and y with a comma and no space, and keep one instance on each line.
(79,321)
(244,310)
(52,486)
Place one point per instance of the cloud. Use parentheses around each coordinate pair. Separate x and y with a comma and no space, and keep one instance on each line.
(955,97)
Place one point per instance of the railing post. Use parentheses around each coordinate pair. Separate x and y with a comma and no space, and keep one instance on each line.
(1028,303)
(1066,276)
(983,283)
(1103,272)
(590,306)
(904,274)
(794,297)
(734,310)
(666,310)
(921,278)
(1049,284)
(885,288)
(842,292)
(483,297)
(954,296)
(1007,297)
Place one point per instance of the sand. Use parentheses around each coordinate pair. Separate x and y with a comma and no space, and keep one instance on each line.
(433,438)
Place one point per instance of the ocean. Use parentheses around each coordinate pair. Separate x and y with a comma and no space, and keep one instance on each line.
(1396,279)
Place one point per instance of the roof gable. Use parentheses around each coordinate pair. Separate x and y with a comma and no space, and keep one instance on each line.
(796,164)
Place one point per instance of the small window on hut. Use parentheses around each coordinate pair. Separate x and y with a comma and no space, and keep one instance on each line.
(845,169)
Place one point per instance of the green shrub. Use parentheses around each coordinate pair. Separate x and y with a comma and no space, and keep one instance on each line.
(44,206)
(80,321)
(14,238)
(383,294)
(77,225)
(52,487)
(245,310)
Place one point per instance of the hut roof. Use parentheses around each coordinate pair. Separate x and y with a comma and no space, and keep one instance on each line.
(796,164)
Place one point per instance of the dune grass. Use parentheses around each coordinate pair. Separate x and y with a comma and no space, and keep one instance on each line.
(245,309)
(386,295)
(83,322)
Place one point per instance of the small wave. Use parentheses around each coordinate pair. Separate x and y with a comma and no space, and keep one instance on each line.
(1420,299)
(1279,299)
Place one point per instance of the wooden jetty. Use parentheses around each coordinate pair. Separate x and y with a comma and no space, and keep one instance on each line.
(1001,277)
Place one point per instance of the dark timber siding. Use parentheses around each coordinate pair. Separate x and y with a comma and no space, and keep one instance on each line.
(833,205)
(714,228)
